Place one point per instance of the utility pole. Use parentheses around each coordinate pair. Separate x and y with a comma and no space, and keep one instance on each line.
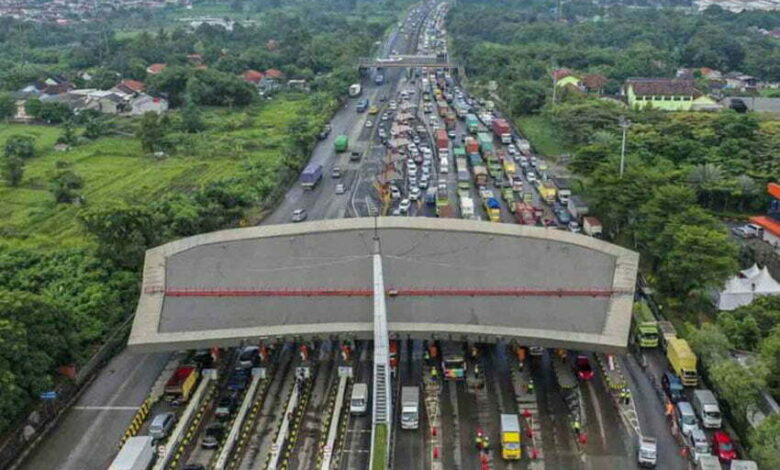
(624,124)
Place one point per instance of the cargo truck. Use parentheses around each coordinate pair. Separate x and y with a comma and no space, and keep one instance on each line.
(667,331)
(547,191)
(510,437)
(341,143)
(524,213)
(706,406)
(355,89)
(442,141)
(467,208)
(502,131)
(459,152)
(450,119)
(311,175)
(480,175)
(472,123)
(472,146)
(410,407)
(562,185)
(475,159)
(645,326)
(136,454)
(181,384)
(510,168)
(683,361)
(592,226)
(464,177)
(485,143)
(493,209)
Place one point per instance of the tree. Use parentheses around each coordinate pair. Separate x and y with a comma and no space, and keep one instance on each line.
(770,352)
(123,232)
(151,132)
(709,343)
(13,170)
(191,118)
(698,258)
(172,82)
(94,128)
(64,185)
(21,146)
(764,442)
(667,200)
(68,136)
(7,106)
(103,79)
(739,385)
(526,97)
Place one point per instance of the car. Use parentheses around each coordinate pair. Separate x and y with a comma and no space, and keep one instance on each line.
(384,117)
(395,193)
(423,184)
(421,129)
(452,134)
(413,180)
(249,355)
(336,172)
(414,193)
(299,215)
(325,132)
(369,124)
(194,466)
(382,99)
(535,350)
(382,133)
(238,380)
(212,436)
(226,406)
(416,139)
(697,444)
(574,227)
(411,167)
(723,446)
(584,369)
(162,424)
(340,189)
(426,171)
(373,110)
(512,149)
(531,177)
(403,207)
(393,105)
(673,387)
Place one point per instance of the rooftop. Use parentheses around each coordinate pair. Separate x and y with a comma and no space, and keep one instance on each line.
(662,87)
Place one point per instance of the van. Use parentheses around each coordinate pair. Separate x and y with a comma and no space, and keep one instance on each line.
(706,406)
(673,387)
(698,444)
(358,403)
(162,425)
(444,166)
(708,462)
(686,418)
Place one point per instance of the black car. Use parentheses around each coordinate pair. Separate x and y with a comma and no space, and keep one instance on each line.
(226,406)
(194,466)
(212,436)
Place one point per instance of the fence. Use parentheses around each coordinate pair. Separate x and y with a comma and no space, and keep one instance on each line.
(22,439)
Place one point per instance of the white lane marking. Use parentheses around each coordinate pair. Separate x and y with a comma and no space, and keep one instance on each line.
(106,408)
(597,406)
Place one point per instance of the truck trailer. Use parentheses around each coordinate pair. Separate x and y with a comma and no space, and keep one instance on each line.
(501,130)
(136,454)
(510,437)
(311,175)
(683,361)
(181,384)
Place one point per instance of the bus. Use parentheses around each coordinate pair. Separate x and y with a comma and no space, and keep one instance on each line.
(453,362)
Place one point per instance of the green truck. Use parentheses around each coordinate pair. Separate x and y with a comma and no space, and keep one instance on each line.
(341,143)
(472,123)
(645,326)
(485,141)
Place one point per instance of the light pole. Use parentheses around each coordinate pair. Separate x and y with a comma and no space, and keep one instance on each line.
(624,124)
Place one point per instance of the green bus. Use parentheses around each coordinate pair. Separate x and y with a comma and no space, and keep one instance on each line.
(341,143)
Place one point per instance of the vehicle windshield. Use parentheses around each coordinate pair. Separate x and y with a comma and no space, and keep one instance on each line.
(408,415)
(713,414)
(453,363)
(702,448)
(650,335)
(648,454)
(726,446)
(512,446)
(358,402)
(689,420)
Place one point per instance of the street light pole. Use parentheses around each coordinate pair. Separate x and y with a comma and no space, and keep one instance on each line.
(624,124)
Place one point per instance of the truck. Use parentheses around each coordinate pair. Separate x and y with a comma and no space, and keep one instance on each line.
(592,226)
(547,191)
(493,209)
(472,146)
(472,123)
(459,152)
(706,406)
(441,108)
(181,384)
(442,141)
(668,332)
(475,159)
(464,177)
(341,143)
(137,453)
(708,462)
(311,175)
(510,437)
(645,326)
(379,79)
(647,451)
(510,168)
(467,208)
(683,361)
(524,214)
(450,119)
(410,407)
(564,190)
(502,131)
(355,89)
(485,143)
(480,175)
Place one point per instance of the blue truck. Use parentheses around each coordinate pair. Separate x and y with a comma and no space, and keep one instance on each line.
(362,105)
(311,175)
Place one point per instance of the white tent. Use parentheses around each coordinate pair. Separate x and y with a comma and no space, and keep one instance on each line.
(743,288)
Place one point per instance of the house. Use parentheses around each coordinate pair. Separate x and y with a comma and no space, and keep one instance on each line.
(195,59)
(154,69)
(565,77)
(108,102)
(740,81)
(298,85)
(595,83)
(252,76)
(274,74)
(144,103)
(771,221)
(668,94)
(129,86)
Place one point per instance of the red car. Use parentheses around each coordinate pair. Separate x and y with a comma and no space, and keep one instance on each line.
(723,447)
(584,369)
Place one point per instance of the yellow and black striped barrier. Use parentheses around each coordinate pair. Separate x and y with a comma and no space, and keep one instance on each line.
(138,420)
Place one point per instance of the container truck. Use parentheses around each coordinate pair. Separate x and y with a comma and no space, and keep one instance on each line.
(480,175)
(459,152)
(667,332)
(485,143)
(464,177)
(524,213)
(311,175)
(510,437)
(493,209)
(136,454)
(475,159)
(683,361)
(502,131)
(341,143)
(592,226)
(449,120)
(564,190)
(442,108)
(472,123)
(355,89)
(467,208)
(706,406)
(645,326)
(410,407)
(547,191)
(472,146)
(181,384)
(442,141)
(510,168)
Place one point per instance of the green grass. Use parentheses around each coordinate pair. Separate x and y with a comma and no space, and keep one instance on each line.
(543,136)
(380,448)
(114,169)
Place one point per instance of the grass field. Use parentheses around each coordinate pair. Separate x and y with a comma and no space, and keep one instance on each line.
(542,135)
(114,169)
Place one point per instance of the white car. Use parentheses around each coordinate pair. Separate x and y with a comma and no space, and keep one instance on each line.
(414,193)
(512,149)
(403,207)
(413,180)
(395,193)
(369,124)
(531,177)
(340,189)
(412,167)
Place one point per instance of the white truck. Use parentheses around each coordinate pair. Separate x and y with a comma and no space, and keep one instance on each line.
(708,462)
(592,226)
(647,451)
(467,208)
(706,406)
(355,89)
(136,454)
(410,407)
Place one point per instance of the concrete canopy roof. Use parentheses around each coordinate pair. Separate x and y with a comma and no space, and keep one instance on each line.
(311,280)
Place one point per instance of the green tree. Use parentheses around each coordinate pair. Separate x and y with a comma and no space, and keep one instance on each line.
(123,232)
(13,170)
(740,386)
(21,146)
(103,79)
(770,352)
(526,97)
(65,185)
(698,258)
(191,118)
(68,136)
(764,442)
(666,201)
(7,106)
(709,343)
(151,132)
(94,128)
